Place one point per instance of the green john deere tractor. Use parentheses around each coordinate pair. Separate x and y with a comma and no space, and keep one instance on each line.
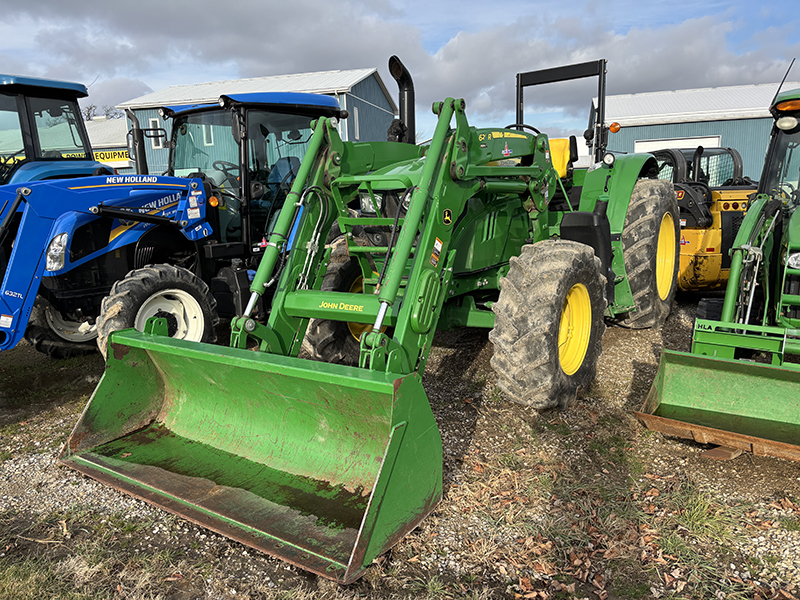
(738,386)
(327,463)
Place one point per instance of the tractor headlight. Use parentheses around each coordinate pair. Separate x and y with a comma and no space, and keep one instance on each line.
(793,261)
(367,205)
(786,123)
(55,253)
(406,201)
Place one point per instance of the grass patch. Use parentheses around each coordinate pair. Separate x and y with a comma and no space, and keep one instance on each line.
(791,524)
(42,580)
(27,376)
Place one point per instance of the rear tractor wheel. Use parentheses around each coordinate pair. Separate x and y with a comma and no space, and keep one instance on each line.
(651,250)
(173,293)
(57,336)
(549,323)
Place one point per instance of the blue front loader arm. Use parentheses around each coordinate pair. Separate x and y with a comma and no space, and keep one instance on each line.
(45,208)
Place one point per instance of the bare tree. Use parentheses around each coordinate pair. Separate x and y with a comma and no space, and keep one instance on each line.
(112,113)
(89,112)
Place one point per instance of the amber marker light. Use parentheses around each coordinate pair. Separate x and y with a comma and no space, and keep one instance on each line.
(614,127)
(788,105)
(213,201)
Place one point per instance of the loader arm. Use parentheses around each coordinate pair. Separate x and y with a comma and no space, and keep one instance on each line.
(409,280)
(32,216)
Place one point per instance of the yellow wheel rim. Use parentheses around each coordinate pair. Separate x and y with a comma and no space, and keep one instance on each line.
(357,329)
(665,256)
(575,329)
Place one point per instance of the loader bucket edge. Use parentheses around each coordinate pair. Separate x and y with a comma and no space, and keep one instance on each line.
(732,403)
(321,465)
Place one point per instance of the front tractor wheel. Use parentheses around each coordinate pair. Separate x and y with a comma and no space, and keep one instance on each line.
(166,291)
(549,323)
(338,342)
(651,251)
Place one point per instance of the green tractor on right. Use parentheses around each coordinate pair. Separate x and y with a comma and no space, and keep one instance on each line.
(738,386)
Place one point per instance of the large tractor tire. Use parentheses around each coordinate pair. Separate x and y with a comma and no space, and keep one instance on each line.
(651,250)
(330,341)
(50,333)
(173,293)
(549,323)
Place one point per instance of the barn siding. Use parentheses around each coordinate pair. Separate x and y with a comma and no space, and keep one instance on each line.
(374,113)
(749,136)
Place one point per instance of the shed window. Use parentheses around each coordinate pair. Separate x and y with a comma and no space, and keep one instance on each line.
(156,143)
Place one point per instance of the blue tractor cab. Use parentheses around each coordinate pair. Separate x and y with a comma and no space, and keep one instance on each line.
(42,134)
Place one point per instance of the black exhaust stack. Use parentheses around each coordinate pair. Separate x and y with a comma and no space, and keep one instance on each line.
(406,104)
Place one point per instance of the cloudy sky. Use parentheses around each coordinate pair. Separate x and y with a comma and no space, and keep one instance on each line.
(469,49)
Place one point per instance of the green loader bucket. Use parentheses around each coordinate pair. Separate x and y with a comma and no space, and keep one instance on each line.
(754,407)
(324,466)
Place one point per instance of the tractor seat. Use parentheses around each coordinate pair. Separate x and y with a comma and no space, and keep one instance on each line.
(285,169)
(560,155)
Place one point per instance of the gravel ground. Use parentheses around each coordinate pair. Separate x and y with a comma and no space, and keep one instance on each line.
(481,433)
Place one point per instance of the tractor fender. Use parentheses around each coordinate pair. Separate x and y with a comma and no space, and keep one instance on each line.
(616,183)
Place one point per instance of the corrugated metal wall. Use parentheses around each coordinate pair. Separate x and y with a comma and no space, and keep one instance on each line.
(157,159)
(374,112)
(749,136)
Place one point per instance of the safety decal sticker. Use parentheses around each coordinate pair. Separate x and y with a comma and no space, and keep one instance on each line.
(6,321)
(437,251)
(506,151)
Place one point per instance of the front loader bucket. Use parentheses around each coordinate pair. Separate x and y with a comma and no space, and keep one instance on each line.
(324,466)
(754,407)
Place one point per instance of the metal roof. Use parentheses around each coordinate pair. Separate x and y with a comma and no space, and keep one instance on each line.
(691,106)
(322,82)
(107,133)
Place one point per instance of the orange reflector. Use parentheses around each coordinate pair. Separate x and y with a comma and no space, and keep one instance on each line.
(614,127)
(213,201)
(726,206)
(788,105)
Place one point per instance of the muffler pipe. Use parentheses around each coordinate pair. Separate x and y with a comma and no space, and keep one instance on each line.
(406,97)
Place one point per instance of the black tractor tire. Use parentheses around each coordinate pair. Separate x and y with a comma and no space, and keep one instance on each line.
(650,243)
(549,324)
(49,333)
(335,341)
(159,290)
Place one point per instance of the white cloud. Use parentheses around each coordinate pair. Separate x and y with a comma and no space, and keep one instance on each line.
(458,48)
